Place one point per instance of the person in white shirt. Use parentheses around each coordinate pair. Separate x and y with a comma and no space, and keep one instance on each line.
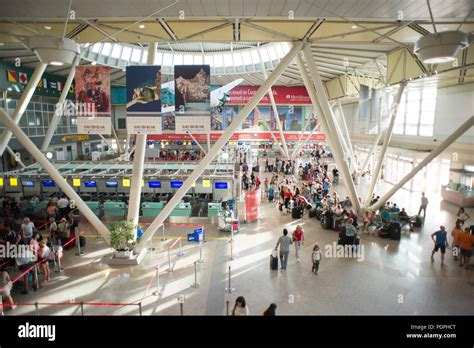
(27,229)
(63,205)
(240,308)
(316,258)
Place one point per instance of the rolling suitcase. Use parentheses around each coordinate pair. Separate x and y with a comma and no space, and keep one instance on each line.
(296,213)
(312,213)
(385,232)
(395,231)
(273,263)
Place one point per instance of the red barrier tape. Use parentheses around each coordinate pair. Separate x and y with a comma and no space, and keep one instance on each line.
(46,259)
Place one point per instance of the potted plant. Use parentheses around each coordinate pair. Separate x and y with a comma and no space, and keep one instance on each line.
(122,238)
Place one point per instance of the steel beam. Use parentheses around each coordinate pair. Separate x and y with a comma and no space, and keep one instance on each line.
(22,104)
(372,151)
(139,161)
(386,142)
(301,144)
(253,102)
(327,120)
(58,112)
(54,174)
(197,142)
(435,153)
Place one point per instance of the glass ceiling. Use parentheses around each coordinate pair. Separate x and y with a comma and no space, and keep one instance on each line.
(239,60)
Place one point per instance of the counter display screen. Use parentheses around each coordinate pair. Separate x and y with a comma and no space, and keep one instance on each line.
(49,183)
(111,183)
(28,183)
(154,184)
(176,184)
(221,186)
(90,184)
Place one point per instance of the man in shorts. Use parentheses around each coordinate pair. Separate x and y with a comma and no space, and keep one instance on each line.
(440,238)
(466,242)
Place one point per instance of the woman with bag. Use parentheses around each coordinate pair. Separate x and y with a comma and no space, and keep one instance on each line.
(6,285)
(240,307)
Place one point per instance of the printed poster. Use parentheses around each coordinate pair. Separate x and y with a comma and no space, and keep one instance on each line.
(252,205)
(144,99)
(192,84)
(93,100)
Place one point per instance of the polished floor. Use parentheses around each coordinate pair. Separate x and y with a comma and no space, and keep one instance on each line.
(389,278)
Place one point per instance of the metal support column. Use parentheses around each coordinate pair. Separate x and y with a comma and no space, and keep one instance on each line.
(58,112)
(22,104)
(373,150)
(54,174)
(318,93)
(107,142)
(345,130)
(197,143)
(386,142)
(275,140)
(301,144)
(433,154)
(219,144)
(139,162)
(11,152)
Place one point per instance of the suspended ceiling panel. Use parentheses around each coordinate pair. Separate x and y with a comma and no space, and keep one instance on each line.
(184,29)
(11,30)
(297,29)
(334,88)
(344,31)
(251,34)
(395,61)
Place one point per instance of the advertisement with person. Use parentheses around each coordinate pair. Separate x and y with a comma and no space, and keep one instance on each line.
(192,88)
(252,205)
(93,100)
(264,115)
(217,119)
(143,99)
(230,113)
(290,117)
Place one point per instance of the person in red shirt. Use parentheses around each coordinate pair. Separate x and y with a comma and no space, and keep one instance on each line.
(287,196)
(298,238)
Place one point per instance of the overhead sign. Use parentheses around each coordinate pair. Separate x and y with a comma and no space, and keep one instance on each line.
(93,100)
(144,99)
(74,138)
(283,95)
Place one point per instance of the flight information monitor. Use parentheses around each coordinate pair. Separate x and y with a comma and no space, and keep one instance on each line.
(28,183)
(90,184)
(221,186)
(154,184)
(176,184)
(48,183)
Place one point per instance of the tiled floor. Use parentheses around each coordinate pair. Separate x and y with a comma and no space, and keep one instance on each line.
(393,278)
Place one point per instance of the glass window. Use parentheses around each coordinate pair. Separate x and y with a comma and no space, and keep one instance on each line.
(198,60)
(218,61)
(145,56)
(126,52)
(228,60)
(208,59)
(106,49)
(188,59)
(237,59)
(116,50)
(96,48)
(178,59)
(167,59)
(255,56)
(136,53)
(272,53)
(247,58)
(279,50)
(158,58)
(264,53)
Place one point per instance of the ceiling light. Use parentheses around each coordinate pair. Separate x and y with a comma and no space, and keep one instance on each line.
(50,49)
(354,26)
(440,48)
(47,27)
(142,26)
(94,63)
(56,63)
(1,44)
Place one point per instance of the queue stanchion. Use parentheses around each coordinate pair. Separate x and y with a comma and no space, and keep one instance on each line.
(180,253)
(37,309)
(230,289)
(36,276)
(201,260)
(163,235)
(195,284)
(78,244)
(169,261)
(227,303)
(181,303)
(82,308)
(158,291)
(140,308)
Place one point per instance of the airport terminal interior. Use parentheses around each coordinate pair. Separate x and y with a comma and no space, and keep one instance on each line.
(264,157)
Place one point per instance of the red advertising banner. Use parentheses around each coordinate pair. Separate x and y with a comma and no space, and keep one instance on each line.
(283,95)
(252,205)
(263,136)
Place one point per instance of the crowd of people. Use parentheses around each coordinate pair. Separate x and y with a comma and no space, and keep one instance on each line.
(39,244)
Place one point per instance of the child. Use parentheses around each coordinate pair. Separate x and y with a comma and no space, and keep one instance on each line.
(316,257)
(44,253)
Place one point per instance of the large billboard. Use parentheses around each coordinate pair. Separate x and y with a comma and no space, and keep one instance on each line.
(192,89)
(283,95)
(93,100)
(143,99)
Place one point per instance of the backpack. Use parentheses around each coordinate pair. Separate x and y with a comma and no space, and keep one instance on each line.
(63,233)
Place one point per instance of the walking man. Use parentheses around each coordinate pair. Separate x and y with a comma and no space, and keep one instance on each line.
(284,242)
(423,205)
(440,238)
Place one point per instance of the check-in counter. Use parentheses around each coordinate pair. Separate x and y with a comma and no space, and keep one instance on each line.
(181,213)
(213,209)
(460,198)
(94,206)
(114,209)
(152,208)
